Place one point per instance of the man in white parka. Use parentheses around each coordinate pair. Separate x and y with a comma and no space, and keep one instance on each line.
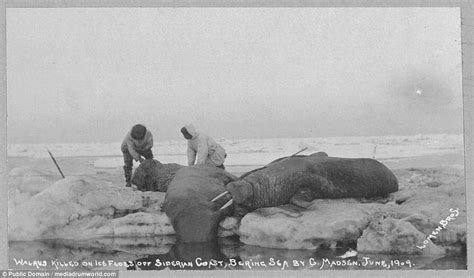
(202,149)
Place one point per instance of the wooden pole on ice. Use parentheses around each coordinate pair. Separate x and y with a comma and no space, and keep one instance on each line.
(55,163)
(302,150)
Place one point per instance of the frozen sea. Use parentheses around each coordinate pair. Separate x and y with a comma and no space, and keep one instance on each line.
(249,153)
(104,161)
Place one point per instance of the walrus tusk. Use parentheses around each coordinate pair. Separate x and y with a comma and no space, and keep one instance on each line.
(219,196)
(227,204)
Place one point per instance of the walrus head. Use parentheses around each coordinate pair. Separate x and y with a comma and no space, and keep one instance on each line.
(152,175)
(141,175)
(240,190)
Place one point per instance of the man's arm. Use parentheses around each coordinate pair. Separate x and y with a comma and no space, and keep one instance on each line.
(202,152)
(132,151)
(191,155)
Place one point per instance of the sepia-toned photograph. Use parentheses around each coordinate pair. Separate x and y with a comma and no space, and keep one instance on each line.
(235,139)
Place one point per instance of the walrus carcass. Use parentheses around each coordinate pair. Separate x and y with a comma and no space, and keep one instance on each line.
(151,175)
(195,214)
(301,179)
(188,204)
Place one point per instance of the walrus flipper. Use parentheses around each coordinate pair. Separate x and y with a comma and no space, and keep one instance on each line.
(315,187)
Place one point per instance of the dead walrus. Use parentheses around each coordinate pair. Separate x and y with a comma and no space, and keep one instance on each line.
(188,204)
(151,175)
(301,179)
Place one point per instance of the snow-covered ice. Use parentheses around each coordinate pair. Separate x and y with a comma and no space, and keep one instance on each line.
(94,205)
(261,151)
(75,208)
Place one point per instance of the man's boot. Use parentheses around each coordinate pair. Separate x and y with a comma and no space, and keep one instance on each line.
(128,175)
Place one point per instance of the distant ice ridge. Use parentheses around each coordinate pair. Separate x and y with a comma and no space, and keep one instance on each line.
(261,151)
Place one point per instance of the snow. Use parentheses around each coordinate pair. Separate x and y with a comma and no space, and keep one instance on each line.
(74,208)
(25,182)
(260,151)
(105,163)
(326,221)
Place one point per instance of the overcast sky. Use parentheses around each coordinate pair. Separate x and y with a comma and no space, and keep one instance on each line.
(88,75)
